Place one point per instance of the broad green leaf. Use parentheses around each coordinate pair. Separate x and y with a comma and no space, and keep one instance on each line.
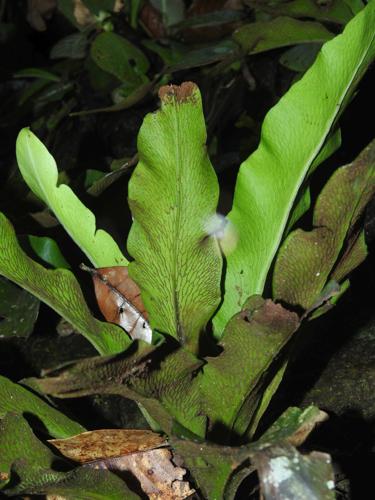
(30,467)
(59,289)
(173,194)
(39,170)
(239,375)
(307,258)
(48,250)
(293,134)
(17,399)
(37,73)
(280,32)
(18,310)
(119,57)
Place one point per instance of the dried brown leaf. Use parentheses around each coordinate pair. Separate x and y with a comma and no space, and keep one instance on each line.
(152,20)
(159,478)
(119,300)
(82,14)
(38,11)
(107,443)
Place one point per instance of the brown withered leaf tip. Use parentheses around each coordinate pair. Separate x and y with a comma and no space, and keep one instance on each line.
(107,443)
(177,93)
(301,434)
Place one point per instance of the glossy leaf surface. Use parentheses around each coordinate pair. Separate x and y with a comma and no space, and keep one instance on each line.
(293,134)
(48,250)
(39,170)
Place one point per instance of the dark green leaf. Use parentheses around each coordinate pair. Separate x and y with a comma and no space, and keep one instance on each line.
(92,176)
(334,11)
(17,442)
(172,11)
(158,378)
(119,57)
(216,18)
(307,259)
(206,55)
(37,73)
(301,57)
(48,250)
(280,32)
(59,289)
(18,310)
(72,46)
(17,399)
(28,466)
(251,341)
(137,95)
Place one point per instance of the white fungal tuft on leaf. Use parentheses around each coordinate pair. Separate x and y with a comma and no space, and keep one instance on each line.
(223,230)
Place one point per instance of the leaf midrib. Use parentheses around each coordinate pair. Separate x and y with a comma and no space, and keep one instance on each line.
(179,330)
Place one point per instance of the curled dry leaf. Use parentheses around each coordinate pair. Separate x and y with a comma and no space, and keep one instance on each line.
(159,478)
(119,299)
(133,450)
(107,443)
